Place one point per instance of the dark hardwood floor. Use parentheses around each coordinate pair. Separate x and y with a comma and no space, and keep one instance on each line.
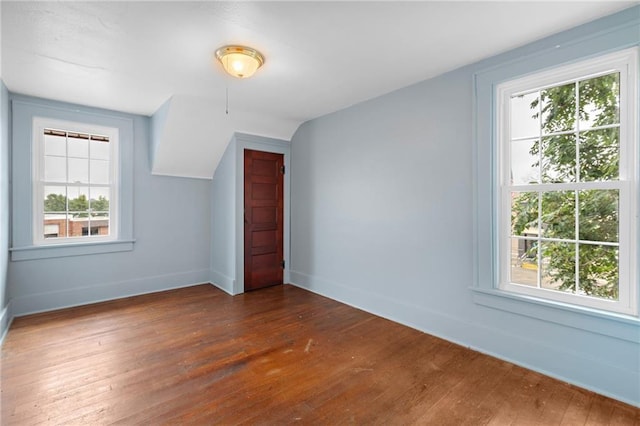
(275,356)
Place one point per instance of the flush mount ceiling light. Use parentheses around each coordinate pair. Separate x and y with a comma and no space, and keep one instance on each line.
(240,61)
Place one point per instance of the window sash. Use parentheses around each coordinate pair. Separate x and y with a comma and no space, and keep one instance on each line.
(39,184)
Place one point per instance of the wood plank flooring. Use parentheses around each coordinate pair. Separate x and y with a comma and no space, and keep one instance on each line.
(276,356)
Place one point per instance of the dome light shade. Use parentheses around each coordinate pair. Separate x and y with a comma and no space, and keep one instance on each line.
(240,61)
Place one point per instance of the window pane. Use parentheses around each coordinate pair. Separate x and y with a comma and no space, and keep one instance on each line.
(55,145)
(78,148)
(78,170)
(55,225)
(599,271)
(525,117)
(559,158)
(100,150)
(78,201)
(599,220)
(55,199)
(558,108)
(558,216)
(99,171)
(55,169)
(524,214)
(600,101)
(524,161)
(524,262)
(558,266)
(599,154)
(99,202)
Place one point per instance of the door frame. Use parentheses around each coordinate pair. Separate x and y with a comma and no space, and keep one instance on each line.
(259,143)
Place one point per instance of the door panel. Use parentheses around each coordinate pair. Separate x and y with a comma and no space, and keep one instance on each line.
(264,242)
(263,221)
(262,167)
(263,215)
(264,191)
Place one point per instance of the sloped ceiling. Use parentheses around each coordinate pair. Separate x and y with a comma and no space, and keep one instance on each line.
(155,58)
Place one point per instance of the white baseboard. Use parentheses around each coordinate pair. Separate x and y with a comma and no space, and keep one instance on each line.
(222,281)
(43,302)
(572,367)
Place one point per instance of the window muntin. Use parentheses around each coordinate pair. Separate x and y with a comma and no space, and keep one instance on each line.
(75,182)
(568,178)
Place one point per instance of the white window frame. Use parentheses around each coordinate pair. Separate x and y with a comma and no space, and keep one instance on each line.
(39,126)
(626,63)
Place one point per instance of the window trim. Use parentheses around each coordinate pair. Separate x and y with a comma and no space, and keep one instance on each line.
(626,63)
(39,125)
(23,110)
(609,35)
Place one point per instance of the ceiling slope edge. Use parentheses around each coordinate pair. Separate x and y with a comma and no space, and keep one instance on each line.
(189,134)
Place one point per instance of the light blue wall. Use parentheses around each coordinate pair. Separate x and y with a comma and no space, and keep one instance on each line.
(5,314)
(223,221)
(171,228)
(158,121)
(382,218)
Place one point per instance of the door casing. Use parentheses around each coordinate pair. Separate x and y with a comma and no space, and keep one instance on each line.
(258,143)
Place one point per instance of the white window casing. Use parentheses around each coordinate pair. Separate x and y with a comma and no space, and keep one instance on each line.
(625,63)
(29,238)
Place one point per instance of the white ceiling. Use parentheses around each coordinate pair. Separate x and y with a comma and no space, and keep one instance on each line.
(320,56)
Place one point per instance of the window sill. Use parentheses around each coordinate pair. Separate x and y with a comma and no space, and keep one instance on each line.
(595,321)
(67,250)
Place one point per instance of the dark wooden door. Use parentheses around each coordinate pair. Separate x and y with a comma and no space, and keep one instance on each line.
(263,219)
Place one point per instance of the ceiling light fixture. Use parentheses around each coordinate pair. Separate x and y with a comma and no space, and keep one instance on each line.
(240,61)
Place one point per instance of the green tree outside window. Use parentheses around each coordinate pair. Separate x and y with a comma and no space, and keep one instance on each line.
(580,118)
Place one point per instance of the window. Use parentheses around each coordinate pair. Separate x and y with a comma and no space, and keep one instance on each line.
(567,150)
(71,178)
(75,190)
